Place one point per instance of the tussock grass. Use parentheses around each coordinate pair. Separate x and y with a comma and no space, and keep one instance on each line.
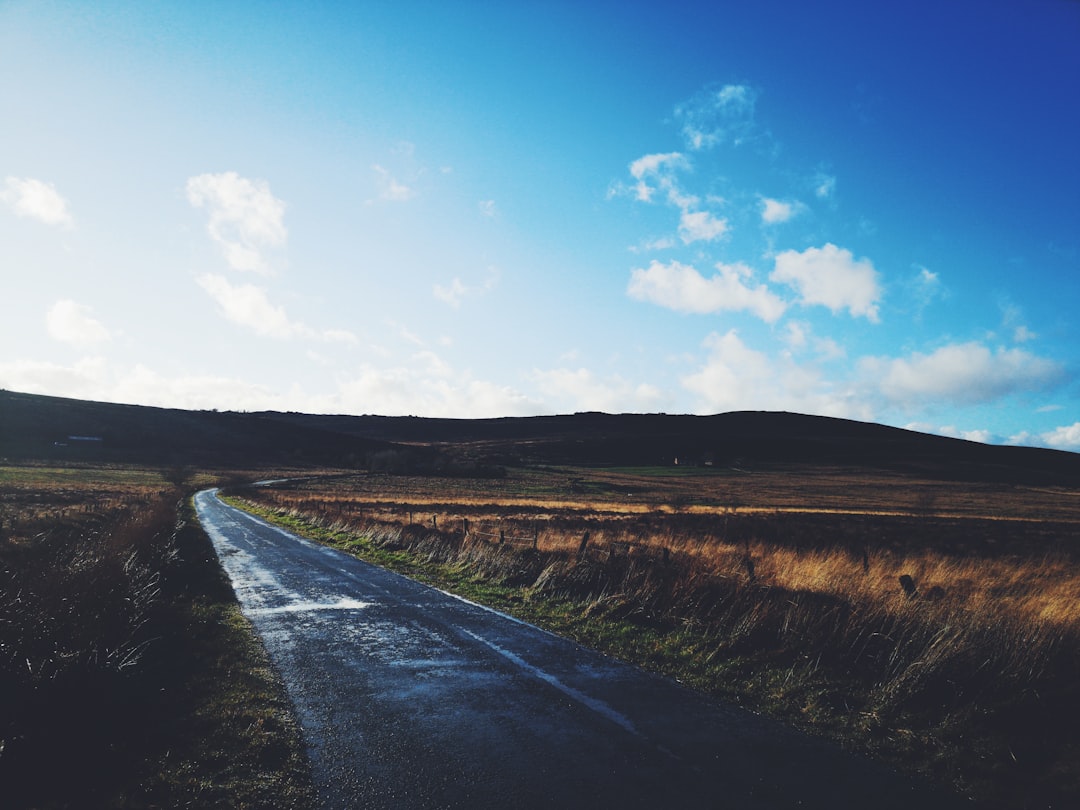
(128,677)
(970,679)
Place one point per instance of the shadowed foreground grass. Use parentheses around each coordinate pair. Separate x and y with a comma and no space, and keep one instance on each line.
(968,678)
(128,677)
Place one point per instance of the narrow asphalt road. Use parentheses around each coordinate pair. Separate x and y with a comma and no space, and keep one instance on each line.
(412,698)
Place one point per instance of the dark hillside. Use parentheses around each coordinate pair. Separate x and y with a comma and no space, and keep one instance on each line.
(67,430)
(739,439)
(51,428)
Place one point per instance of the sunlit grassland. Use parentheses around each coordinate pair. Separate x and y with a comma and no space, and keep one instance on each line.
(128,677)
(780,588)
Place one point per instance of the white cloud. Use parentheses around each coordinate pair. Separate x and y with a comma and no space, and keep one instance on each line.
(981,436)
(796,337)
(427,387)
(714,117)
(249,306)
(487,208)
(682,288)
(824,186)
(411,389)
(144,386)
(656,172)
(737,377)
(774,212)
(245,217)
(35,199)
(1066,437)
(582,390)
(649,245)
(1022,334)
(457,290)
(337,336)
(961,374)
(658,168)
(451,294)
(799,336)
(72,323)
(830,276)
(701,226)
(390,188)
(83,380)
(925,288)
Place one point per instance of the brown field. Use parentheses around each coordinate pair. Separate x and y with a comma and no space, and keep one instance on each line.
(120,650)
(782,588)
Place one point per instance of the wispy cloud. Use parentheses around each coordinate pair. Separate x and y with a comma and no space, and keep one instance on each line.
(799,337)
(456,291)
(249,306)
(36,199)
(1022,334)
(824,185)
(682,288)
(723,115)
(832,277)
(451,293)
(656,172)
(70,322)
(245,217)
(390,188)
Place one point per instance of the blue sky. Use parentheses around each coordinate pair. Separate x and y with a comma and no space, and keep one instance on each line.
(491,209)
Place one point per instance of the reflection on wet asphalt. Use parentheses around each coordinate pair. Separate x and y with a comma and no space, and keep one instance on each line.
(412,698)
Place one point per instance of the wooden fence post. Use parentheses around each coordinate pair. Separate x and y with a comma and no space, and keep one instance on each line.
(583,547)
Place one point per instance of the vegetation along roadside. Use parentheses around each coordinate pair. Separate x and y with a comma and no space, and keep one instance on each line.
(125,664)
(944,645)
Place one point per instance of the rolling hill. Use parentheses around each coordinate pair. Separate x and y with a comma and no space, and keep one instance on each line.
(34,427)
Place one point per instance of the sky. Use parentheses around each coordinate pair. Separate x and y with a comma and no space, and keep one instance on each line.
(482,209)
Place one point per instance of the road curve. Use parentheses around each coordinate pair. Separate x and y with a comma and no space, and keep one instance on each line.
(412,698)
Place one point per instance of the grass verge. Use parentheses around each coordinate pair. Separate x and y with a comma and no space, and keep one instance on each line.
(233,740)
(128,676)
(962,693)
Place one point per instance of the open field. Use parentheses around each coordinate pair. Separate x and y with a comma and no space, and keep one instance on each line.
(780,587)
(912,596)
(128,677)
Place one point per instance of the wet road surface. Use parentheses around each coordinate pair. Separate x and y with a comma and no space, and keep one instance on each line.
(412,698)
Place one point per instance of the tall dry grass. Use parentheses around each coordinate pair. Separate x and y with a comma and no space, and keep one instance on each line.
(981,652)
(80,594)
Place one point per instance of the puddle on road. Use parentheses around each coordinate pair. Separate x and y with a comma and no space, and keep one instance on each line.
(310,607)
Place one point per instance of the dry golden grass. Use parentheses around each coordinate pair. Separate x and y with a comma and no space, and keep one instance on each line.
(118,670)
(797,577)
